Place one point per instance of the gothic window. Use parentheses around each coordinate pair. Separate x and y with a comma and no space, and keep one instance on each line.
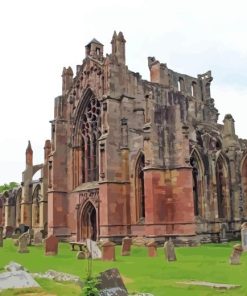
(140,198)
(197,179)
(195,185)
(243,206)
(36,206)
(90,130)
(180,84)
(221,189)
(193,89)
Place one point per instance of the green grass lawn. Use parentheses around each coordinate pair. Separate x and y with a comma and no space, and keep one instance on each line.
(141,273)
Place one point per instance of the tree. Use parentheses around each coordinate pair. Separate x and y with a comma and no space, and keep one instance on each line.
(9,186)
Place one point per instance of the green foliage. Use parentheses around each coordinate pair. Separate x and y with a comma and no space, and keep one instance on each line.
(90,287)
(9,186)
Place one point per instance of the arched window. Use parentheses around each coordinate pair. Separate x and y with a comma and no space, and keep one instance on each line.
(193,89)
(180,84)
(83,160)
(197,178)
(90,129)
(36,207)
(207,90)
(18,208)
(221,186)
(243,208)
(140,193)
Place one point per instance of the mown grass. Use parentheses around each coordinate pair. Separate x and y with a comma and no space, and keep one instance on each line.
(140,273)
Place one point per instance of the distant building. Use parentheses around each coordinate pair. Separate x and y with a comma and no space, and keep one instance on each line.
(134,157)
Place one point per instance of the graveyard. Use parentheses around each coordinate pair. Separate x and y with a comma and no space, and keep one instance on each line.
(144,269)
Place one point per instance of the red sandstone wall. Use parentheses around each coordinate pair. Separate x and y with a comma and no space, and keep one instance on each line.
(169,202)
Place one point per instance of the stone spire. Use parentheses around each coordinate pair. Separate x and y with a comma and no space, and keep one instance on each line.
(29,154)
(118,47)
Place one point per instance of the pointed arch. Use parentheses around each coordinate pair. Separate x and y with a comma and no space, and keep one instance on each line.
(36,197)
(243,172)
(222,186)
(88,222)
(18,207)
(198,173)
(139,186)
(87,130)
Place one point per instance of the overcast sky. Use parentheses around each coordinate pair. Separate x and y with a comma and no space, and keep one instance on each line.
(38,38)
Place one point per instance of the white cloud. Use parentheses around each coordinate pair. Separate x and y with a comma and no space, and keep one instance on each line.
(38,38)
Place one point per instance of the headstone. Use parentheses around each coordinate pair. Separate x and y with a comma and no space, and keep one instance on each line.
(31,233)
(93,249)
(51,245)
(152,249)
(236,253)
(37,238)
(13,266)
(81,255)
(139,241)
(169,250)
(244,236)
(17,279)
(1,236)
(22,228)
(108,251)
(126,246)
(8,231)
(23,243)
(111,283)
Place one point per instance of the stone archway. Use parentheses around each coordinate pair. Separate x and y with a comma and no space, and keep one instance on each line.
(88,222)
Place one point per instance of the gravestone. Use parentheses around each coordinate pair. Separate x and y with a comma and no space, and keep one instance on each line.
(111,283)
(169,250)
(152,249)
(108,251)
(8,231)
(51,245)
(81,255)
(93,249)
(37,238)
(236,253)
(17,279)
(1,236)
(22,228)
(139,241)
(244,236)
(23,243)
(126,246)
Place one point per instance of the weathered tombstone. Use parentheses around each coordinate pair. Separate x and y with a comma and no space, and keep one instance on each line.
(152,249)
(8,231)
(223,230)
(51,245)
(126,246)
(81,255)
(23,243)
(108,251)
(1,236)
(93,249)
(236,253)
(139,241)
(22,228)
(169,250)
(111,283)
(37,238)
(244,236)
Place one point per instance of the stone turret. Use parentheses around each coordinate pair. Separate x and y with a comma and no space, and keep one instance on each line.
(29,155)
(67,77)
(94,49)
(118,47)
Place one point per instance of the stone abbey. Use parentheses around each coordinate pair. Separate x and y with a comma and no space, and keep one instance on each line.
(130,157)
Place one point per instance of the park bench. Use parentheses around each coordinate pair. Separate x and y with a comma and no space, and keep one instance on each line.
(80,245)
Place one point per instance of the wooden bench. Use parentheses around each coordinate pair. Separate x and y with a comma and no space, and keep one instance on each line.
(79,244)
